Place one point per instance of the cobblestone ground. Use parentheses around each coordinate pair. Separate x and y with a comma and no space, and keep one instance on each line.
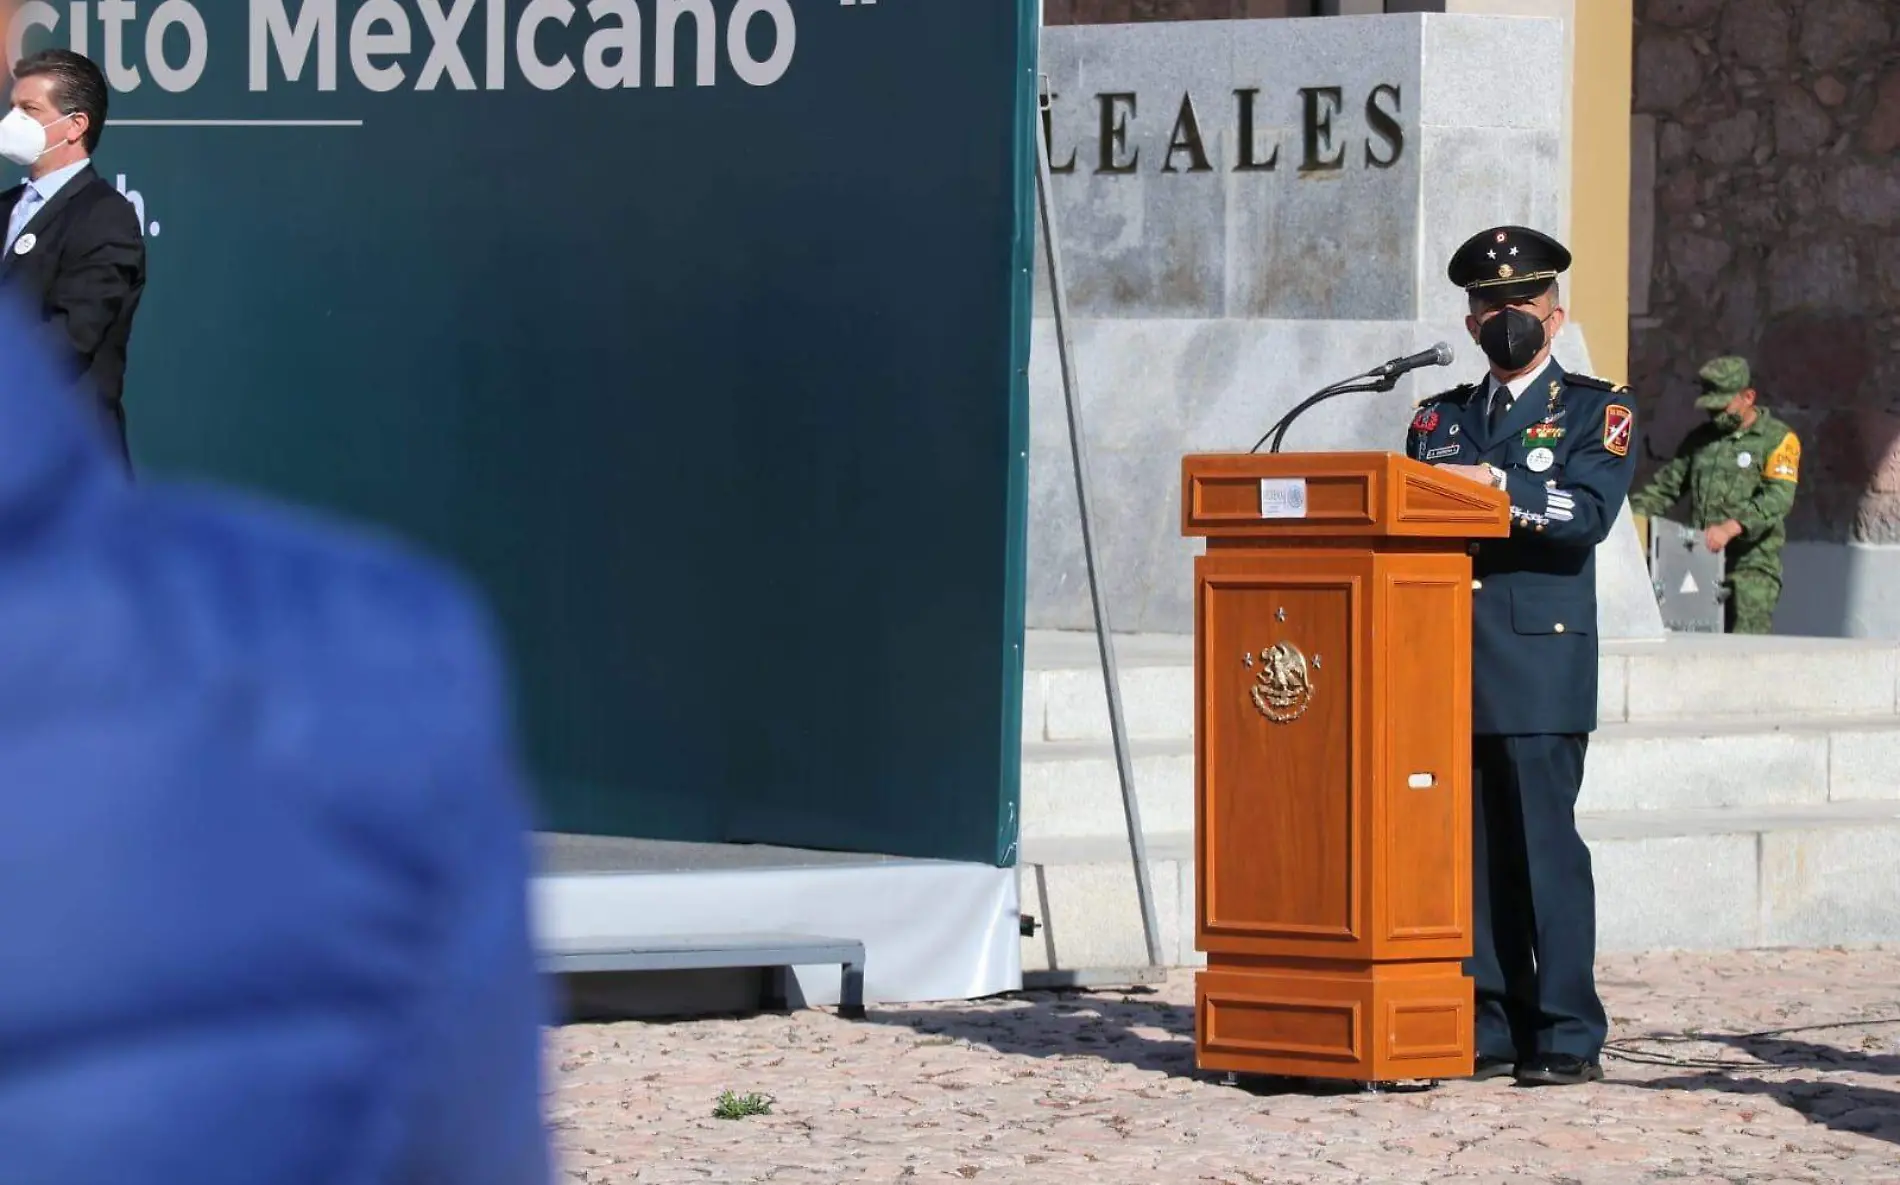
(1100,1088)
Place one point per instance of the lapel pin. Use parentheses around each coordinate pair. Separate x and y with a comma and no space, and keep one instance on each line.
(24,244)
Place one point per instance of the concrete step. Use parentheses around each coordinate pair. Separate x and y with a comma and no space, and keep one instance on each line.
(1806,876)
(1070,789)
(1685,678)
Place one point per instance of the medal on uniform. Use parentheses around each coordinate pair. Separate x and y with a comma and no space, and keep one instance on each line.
(1540,460)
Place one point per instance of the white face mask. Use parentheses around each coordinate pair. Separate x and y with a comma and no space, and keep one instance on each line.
(23,138)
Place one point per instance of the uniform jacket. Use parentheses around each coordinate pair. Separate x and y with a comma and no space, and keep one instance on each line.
(262,843)
(1567,448)
(83,277)
(1748,475)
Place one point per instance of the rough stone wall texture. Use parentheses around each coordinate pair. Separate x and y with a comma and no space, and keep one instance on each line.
(1100,12)
(1776,234)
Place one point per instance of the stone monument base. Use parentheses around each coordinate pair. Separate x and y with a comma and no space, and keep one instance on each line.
(1250,211)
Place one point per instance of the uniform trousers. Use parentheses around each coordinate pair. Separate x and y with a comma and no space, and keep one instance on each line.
(1533,901)
(1752,597)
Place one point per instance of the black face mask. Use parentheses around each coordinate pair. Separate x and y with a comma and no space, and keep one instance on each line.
(1511,339)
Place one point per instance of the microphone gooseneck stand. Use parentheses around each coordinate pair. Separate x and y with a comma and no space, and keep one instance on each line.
(1371,383)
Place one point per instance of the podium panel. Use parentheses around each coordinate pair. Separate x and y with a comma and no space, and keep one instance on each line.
(1333,764)
(1277,694)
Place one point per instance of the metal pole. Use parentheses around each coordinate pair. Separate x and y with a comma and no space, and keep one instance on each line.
(1078,451)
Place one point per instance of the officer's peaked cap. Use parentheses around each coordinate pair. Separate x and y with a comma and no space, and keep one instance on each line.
(1508,263)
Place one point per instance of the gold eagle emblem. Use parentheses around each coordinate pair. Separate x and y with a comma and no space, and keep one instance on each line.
(1283,689)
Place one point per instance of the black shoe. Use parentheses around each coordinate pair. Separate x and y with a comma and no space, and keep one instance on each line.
(1492,1067)
(1558,1069)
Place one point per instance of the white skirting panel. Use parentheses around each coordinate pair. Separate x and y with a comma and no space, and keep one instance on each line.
(932,930)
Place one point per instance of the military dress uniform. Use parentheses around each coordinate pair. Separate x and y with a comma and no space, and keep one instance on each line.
(1562,446)
(1729,470)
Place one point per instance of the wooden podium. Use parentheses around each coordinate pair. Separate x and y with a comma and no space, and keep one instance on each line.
(1332,664)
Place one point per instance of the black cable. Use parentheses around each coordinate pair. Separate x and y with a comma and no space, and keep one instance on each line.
(1622,1050)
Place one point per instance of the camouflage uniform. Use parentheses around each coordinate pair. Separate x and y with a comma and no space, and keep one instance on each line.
(1730,472)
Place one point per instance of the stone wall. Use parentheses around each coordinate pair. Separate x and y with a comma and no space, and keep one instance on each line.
(1767,223)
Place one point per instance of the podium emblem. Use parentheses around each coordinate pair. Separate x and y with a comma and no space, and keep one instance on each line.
(1283,689)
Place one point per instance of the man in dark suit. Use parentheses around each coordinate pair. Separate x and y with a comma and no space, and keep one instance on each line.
(74,251)
(1562,446)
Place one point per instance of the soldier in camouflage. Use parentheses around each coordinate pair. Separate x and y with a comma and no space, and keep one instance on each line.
(1740,471)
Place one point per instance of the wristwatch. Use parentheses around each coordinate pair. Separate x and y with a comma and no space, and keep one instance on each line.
(1498,478)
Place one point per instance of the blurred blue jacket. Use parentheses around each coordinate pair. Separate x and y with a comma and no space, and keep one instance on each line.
(263,844)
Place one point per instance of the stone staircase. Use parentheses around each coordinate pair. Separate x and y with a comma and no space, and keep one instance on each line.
(1740,792)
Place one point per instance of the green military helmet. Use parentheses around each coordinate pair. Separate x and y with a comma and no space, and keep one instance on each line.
(1722,380)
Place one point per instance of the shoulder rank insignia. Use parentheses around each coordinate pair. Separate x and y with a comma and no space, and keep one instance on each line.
(1460,392)
(1589,380)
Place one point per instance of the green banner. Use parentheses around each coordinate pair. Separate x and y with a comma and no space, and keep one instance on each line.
(695,330)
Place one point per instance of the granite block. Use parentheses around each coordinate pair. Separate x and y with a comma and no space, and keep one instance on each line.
(1864,765)
(1157,703)
(1339,99)
(1073,791)
(1091,915)
(1685,680)
(1477,178)
(1833,887)
(1631,768)
(1291,169)
(1683,892)
(1512,56)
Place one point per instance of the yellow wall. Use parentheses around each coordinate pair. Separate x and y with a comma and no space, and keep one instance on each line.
(1599,296)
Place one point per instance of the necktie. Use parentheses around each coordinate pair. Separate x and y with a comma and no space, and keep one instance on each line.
(22,213)
(1500,404)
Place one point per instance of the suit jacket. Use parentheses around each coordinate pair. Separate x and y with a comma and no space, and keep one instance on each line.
(1568,450)
(83,278)
(264,857)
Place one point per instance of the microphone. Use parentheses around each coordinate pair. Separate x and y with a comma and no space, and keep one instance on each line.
(1438,355)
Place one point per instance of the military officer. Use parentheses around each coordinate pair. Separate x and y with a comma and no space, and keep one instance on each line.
(1740,471)
(1561,445)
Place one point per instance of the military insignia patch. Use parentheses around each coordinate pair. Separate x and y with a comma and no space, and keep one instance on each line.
(1784,464)
(1618,422)
(1426,419)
